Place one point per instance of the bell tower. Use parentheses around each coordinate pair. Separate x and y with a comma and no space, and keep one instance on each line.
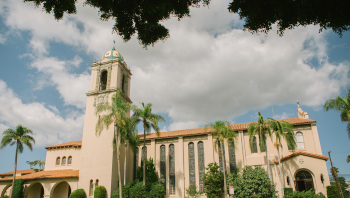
(98,164)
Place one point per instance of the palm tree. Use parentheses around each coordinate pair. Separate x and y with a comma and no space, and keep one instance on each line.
(20,136)
(348,159)
(283,129)
(262,129)
(116,114)
(342,105)
(222,131)
(149,121)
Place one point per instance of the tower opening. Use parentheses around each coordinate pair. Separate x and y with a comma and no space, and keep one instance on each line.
(103,80)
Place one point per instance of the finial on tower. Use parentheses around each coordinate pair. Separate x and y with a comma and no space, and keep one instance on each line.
(113,44)
(298,103)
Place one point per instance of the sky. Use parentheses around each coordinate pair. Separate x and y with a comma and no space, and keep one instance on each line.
(208,69)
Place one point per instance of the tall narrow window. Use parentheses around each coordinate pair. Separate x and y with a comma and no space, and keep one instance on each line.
(201,165)
(162,166)
(300,140)
(91,189)
(171,169)
(64,161)
(58,160)
(103,80)
(220,157)
(136,162)
(124,84)
(96,183)
(232,156)
(69,160)
(254,146)
(191,164)
(144,153)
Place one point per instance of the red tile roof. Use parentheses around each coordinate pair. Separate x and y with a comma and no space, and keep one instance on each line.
(28,171)
(75,144)
(305,154)
(47,175)
(241,126)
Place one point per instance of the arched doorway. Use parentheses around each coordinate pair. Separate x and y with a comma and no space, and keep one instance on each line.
(303,181)
(61,190)
(35,190)
(6,191)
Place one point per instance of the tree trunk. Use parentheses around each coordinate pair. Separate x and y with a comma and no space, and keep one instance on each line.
(144,157)
(14,172)
(224,168)
(280,169)
(268,163)
(125,163)
(118,160)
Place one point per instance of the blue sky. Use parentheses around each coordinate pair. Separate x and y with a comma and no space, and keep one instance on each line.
(208,69)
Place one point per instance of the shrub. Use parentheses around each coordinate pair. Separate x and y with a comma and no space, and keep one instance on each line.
(332,191)
(151,174)
(157,191)
(253,182)
(18,188)
(288,191)
(100,192)
(78,193)
(304,194)
(126,190)
(213,181)
(192,191)
(138,191)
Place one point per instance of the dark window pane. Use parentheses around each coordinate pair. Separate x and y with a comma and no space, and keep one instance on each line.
(172,169)
(162,166)
(191,163)
(201,164)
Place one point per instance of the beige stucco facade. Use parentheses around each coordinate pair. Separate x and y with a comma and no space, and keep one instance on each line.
(93,161)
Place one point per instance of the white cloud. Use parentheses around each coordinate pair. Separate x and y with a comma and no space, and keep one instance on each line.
(48,127)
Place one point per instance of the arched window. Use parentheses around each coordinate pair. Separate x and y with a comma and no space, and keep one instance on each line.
(58,160)
(103,80)
(96,183)
(201,165)
(144,153)
(254,145)
(63,161)
(162,166)
(300,140)
(69,160)
(91,188)
(303,181)
(222,162)
(191,163)
(171,169)
(232,156)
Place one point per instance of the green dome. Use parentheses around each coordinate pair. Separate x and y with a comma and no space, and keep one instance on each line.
(113,54)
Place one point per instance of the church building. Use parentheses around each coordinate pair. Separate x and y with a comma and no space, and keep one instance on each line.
(180,157)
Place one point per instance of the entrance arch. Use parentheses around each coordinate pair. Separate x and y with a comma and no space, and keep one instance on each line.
(35,190)
(6,190)
(303,181)
(61,190)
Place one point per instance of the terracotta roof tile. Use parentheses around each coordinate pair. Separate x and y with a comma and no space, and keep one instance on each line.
(75,144)
(47,175)
(240,126)
(305,154)
(28,171)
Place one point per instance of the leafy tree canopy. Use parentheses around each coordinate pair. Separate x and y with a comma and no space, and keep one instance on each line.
(144,17)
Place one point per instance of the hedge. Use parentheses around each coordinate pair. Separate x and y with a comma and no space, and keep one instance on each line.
(157,191)
(18,188)
(288,191)
(78,193)
(100,192)
(332,191)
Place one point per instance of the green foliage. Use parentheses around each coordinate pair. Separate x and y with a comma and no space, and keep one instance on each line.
(138,191)
(341,183)
(78,193)
(100,192)
(151,174)
(332,191)
(18,189)
(157,191)
(213,181)
(192,191)
(254,183)
(6,196)
(304,194)
(288,191)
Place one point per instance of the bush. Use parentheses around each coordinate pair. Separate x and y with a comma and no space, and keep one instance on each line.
(138,191)
(304,194)
(332,191)
(100,192)
(78,193)
(151,174)
(192,191)
(126,190)
(288,191)
(213,181)
(157,191)
(253,182)
(18,188)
